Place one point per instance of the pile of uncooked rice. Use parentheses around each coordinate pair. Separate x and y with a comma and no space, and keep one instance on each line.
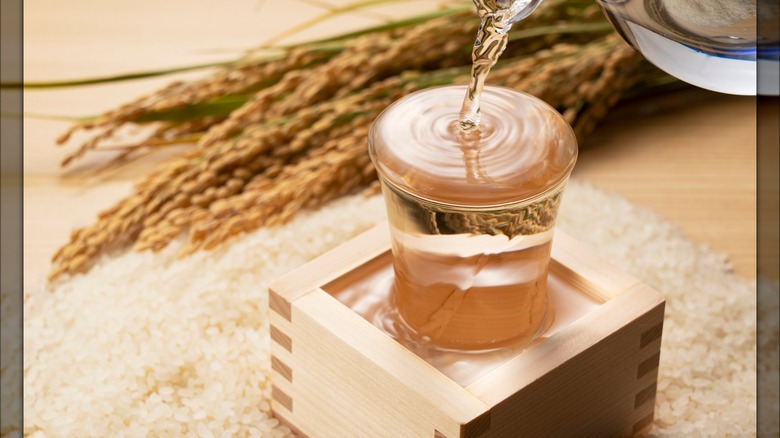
(147,344)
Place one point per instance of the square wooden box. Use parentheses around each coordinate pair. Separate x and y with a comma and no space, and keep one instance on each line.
(336,375)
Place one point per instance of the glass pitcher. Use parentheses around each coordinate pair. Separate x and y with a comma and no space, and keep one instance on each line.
(728,46)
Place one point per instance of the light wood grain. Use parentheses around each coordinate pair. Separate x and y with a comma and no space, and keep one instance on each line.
(587,274)
(347,257)
(692,161)
(691,157)
(584,380)
(594,377)
(331,342)
(373,384)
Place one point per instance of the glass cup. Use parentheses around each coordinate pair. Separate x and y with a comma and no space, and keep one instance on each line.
(471,215)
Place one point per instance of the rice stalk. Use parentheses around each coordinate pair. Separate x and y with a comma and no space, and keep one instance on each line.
(300,141)
(376,54)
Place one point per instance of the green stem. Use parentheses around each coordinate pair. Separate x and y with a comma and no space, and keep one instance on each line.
(567,28)
(56,117)
(326,44)
(151,143)
(116,78)
(334,12)
(394,25)
(222,106)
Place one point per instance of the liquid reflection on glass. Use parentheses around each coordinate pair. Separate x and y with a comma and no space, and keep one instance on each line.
(471,215)
(368,290)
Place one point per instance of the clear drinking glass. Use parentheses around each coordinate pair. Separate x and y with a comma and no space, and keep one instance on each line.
(471,215)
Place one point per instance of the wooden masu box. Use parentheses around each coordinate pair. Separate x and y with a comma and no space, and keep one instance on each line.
(336,375)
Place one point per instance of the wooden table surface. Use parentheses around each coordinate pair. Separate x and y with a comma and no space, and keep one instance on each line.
(689,157)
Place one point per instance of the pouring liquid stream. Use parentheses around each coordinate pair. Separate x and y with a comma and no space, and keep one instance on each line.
(472,198)
(496,18)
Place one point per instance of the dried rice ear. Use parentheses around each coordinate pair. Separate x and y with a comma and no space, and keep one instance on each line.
(248,167)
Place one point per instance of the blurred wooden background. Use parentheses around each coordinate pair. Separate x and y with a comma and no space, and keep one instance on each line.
(690,156)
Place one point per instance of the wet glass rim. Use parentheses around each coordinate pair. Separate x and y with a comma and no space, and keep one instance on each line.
(557,183)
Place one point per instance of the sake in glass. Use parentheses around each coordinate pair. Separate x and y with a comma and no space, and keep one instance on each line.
(471,214)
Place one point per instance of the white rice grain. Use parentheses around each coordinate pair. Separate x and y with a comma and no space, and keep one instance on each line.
(150,345)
